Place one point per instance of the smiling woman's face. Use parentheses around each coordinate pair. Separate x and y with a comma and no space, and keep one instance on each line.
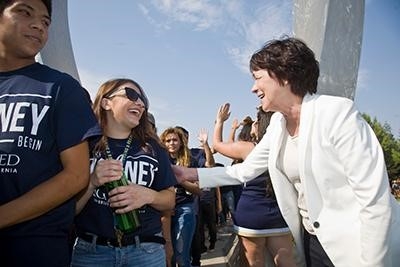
(268,90)
(124,111)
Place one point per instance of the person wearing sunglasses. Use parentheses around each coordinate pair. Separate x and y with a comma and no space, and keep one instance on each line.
(129,146)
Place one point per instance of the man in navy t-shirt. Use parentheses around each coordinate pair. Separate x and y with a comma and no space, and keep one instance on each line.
(45,119)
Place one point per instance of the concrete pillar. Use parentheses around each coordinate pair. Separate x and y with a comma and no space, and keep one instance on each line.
(58,51)
(333,30)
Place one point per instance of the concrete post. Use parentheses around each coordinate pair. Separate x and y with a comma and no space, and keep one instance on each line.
(333,30)
(58,51)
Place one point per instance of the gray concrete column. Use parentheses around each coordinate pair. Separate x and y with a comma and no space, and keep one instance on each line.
(58,51)
(333,30)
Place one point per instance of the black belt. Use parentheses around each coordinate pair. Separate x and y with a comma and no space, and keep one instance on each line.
(126,240)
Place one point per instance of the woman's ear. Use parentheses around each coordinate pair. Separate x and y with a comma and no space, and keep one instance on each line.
(105,104)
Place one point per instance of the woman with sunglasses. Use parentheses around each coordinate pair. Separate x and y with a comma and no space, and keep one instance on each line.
(128,146)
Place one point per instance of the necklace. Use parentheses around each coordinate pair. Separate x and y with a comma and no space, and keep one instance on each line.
(127,146)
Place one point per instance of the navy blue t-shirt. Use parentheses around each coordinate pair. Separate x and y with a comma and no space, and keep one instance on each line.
(42,113)
(148,167)
(199,156)
(182,195)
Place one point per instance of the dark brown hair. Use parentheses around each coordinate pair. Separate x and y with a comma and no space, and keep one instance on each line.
(245,132)
(290,60)
(263,119)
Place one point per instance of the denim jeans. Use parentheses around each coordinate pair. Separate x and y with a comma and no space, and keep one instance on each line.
(86,254)
(228,204)
(183,225)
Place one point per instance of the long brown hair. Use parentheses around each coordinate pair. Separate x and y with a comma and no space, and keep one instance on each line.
(142,132)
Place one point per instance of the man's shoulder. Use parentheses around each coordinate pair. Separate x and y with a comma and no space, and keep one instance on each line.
(54,74)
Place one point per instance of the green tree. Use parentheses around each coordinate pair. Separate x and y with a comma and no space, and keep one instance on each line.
(390,145)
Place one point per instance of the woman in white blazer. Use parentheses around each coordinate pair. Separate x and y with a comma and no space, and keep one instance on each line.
(325,162)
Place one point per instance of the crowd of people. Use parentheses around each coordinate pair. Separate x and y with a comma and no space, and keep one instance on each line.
(308,184)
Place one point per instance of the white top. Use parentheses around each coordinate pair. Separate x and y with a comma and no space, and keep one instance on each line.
(289,165)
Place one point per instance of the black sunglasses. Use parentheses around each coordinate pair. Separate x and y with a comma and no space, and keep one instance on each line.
(130,93)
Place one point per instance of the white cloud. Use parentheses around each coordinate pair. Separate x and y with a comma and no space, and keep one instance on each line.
(271,20)
(146,13)
(201,14)
(245,26)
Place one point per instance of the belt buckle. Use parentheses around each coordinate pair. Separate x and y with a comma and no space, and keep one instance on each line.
(119,234)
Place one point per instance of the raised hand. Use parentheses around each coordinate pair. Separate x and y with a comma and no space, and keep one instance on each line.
(203,136)
(235,124)
(223,113)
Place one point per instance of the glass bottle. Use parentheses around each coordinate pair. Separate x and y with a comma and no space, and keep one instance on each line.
(129,221)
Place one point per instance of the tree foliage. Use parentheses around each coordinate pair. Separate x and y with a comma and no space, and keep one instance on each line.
(390,145)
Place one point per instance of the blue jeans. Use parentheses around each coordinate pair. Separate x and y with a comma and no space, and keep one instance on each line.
(228,204)
(87,254)
(183,225)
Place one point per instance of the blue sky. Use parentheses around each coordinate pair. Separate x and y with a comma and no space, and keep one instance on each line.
(192,56)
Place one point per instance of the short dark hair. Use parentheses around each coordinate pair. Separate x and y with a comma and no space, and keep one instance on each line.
(6,3)
(288,59)
(263,119)
(245,132)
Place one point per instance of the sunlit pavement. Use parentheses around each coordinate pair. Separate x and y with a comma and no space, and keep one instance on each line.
(224,250)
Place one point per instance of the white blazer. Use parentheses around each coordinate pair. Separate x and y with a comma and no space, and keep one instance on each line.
(345,182)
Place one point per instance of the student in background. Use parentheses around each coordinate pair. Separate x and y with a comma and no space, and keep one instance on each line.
(257,219)
(152,121)
(183,219)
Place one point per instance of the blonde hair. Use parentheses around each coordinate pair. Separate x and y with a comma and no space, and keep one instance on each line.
(183,156)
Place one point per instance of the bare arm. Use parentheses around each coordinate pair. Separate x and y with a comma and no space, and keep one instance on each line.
(53,192)
(219,200)
(223,114)
(192,187)
(234,150)
(232,133)
(166,228)
(203,138)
